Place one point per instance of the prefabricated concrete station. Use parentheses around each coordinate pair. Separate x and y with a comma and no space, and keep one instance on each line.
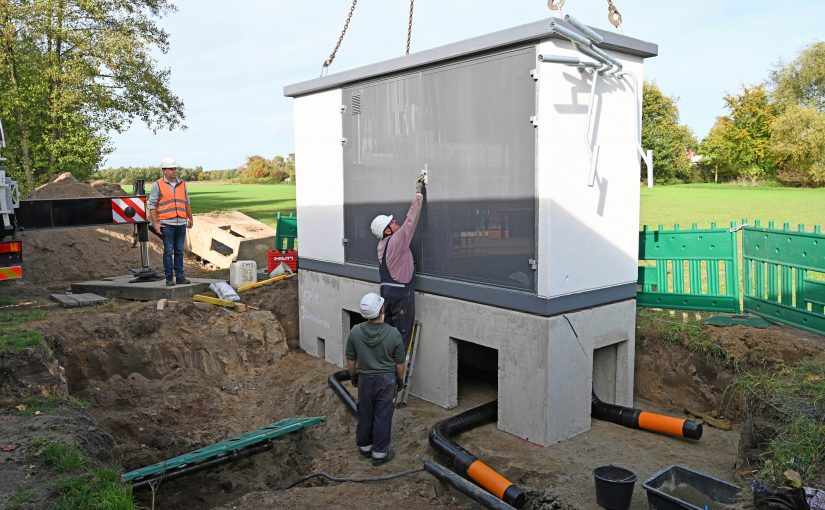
(528,241)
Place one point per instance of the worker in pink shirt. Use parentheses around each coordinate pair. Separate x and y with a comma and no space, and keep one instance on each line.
(396,267)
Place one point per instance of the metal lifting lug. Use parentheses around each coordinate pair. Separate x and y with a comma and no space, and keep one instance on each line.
(534,120)
(344,240)
(533,264)
(534,73)
(343,140)
(343,108)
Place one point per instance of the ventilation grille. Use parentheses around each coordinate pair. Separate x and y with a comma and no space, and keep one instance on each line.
(356,104)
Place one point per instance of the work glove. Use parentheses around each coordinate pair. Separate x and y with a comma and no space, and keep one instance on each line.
(399,384)
(354,380)
(419,182)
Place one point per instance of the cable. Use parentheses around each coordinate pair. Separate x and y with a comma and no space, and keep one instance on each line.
(359,480)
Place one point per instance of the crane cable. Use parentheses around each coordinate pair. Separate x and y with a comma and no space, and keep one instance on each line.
(613,14)
(409,26)
(328,61)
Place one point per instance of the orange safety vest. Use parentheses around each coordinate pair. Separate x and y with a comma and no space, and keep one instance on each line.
(171,204)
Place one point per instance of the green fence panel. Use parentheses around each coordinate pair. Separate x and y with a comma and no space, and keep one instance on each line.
(785,275)
(286,232)
(694,269)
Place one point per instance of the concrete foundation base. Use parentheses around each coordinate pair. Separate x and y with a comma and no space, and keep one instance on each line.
(547,366)
(119,287)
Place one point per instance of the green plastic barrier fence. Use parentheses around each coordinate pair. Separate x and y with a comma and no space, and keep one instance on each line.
(784,275)
(694,269)
(286,232)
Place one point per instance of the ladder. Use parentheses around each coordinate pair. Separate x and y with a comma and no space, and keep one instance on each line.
(402,396)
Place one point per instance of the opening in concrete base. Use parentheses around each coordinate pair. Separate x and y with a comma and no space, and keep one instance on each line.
(477,373)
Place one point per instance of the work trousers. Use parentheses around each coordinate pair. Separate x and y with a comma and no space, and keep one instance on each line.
(375,407)
(399,309)
(173,238)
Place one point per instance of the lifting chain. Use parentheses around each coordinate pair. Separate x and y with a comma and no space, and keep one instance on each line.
(328,61)
(555,5)
(613,14)
(409,26)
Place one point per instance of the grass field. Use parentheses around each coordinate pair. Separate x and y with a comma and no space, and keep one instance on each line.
(704,203)
(667,205)
(260,201)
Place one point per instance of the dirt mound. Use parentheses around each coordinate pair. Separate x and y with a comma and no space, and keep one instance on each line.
(64,186)
(108,189)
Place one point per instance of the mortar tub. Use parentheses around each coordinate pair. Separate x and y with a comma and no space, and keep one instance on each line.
(680,488)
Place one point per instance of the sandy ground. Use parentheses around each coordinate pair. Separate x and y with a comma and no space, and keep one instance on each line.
(162,383)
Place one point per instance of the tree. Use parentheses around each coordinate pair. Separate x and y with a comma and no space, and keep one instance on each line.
(798,144)
(740,141)
(803,80)
(662,133)
(717,149)
(72,72)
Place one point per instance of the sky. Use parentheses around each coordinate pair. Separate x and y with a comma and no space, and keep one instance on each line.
(229,62)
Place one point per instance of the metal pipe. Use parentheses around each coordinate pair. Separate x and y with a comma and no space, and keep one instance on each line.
(581,27)
(592,54)
(465,463)
(470,490)
(607,57)
(569,34)
(560,59)
(335,382)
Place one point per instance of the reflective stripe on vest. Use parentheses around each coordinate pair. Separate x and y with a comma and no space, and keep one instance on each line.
(171,204)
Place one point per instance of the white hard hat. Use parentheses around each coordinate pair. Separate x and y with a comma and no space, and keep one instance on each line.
(371,305)
(168,162)
(379,224)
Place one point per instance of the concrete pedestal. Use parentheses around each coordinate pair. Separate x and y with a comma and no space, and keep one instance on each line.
(547,366)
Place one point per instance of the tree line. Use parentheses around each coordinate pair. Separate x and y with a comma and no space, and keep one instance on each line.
(256,170)
(773,131)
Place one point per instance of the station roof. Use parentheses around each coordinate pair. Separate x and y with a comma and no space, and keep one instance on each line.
(520,35)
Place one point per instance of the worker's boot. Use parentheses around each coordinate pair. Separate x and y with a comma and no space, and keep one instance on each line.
(377,461)
(182,280)
(170,282)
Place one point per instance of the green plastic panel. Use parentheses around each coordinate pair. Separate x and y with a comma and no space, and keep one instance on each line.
(778,285)
(804,250)
(286,232)
(687,274)
(802,319)
(260,435)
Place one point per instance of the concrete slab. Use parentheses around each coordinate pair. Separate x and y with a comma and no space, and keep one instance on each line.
(224,237)
(75,300)
(119,287)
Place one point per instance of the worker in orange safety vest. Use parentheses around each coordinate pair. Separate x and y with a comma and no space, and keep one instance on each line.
(171,215)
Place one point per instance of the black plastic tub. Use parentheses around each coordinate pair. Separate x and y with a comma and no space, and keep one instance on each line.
(678,488)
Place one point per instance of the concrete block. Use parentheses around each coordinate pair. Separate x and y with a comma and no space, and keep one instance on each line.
(224,237)
(119,287)
(547,366)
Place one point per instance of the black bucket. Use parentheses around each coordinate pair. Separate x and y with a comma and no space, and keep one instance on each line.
(614,487)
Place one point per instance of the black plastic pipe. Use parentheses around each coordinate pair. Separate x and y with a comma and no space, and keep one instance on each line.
(191,468)
(335,380)
(644,420)
(465,463)
(470,490)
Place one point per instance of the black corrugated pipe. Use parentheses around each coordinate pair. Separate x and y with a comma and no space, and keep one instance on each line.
(335,381)
(638,419)
(468,489)
(465,463)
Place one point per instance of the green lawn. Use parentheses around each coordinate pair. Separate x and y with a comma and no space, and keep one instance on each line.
(667,205)
(704,203)
(260,201)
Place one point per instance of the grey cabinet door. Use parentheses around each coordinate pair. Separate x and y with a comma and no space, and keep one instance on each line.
(469,123)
